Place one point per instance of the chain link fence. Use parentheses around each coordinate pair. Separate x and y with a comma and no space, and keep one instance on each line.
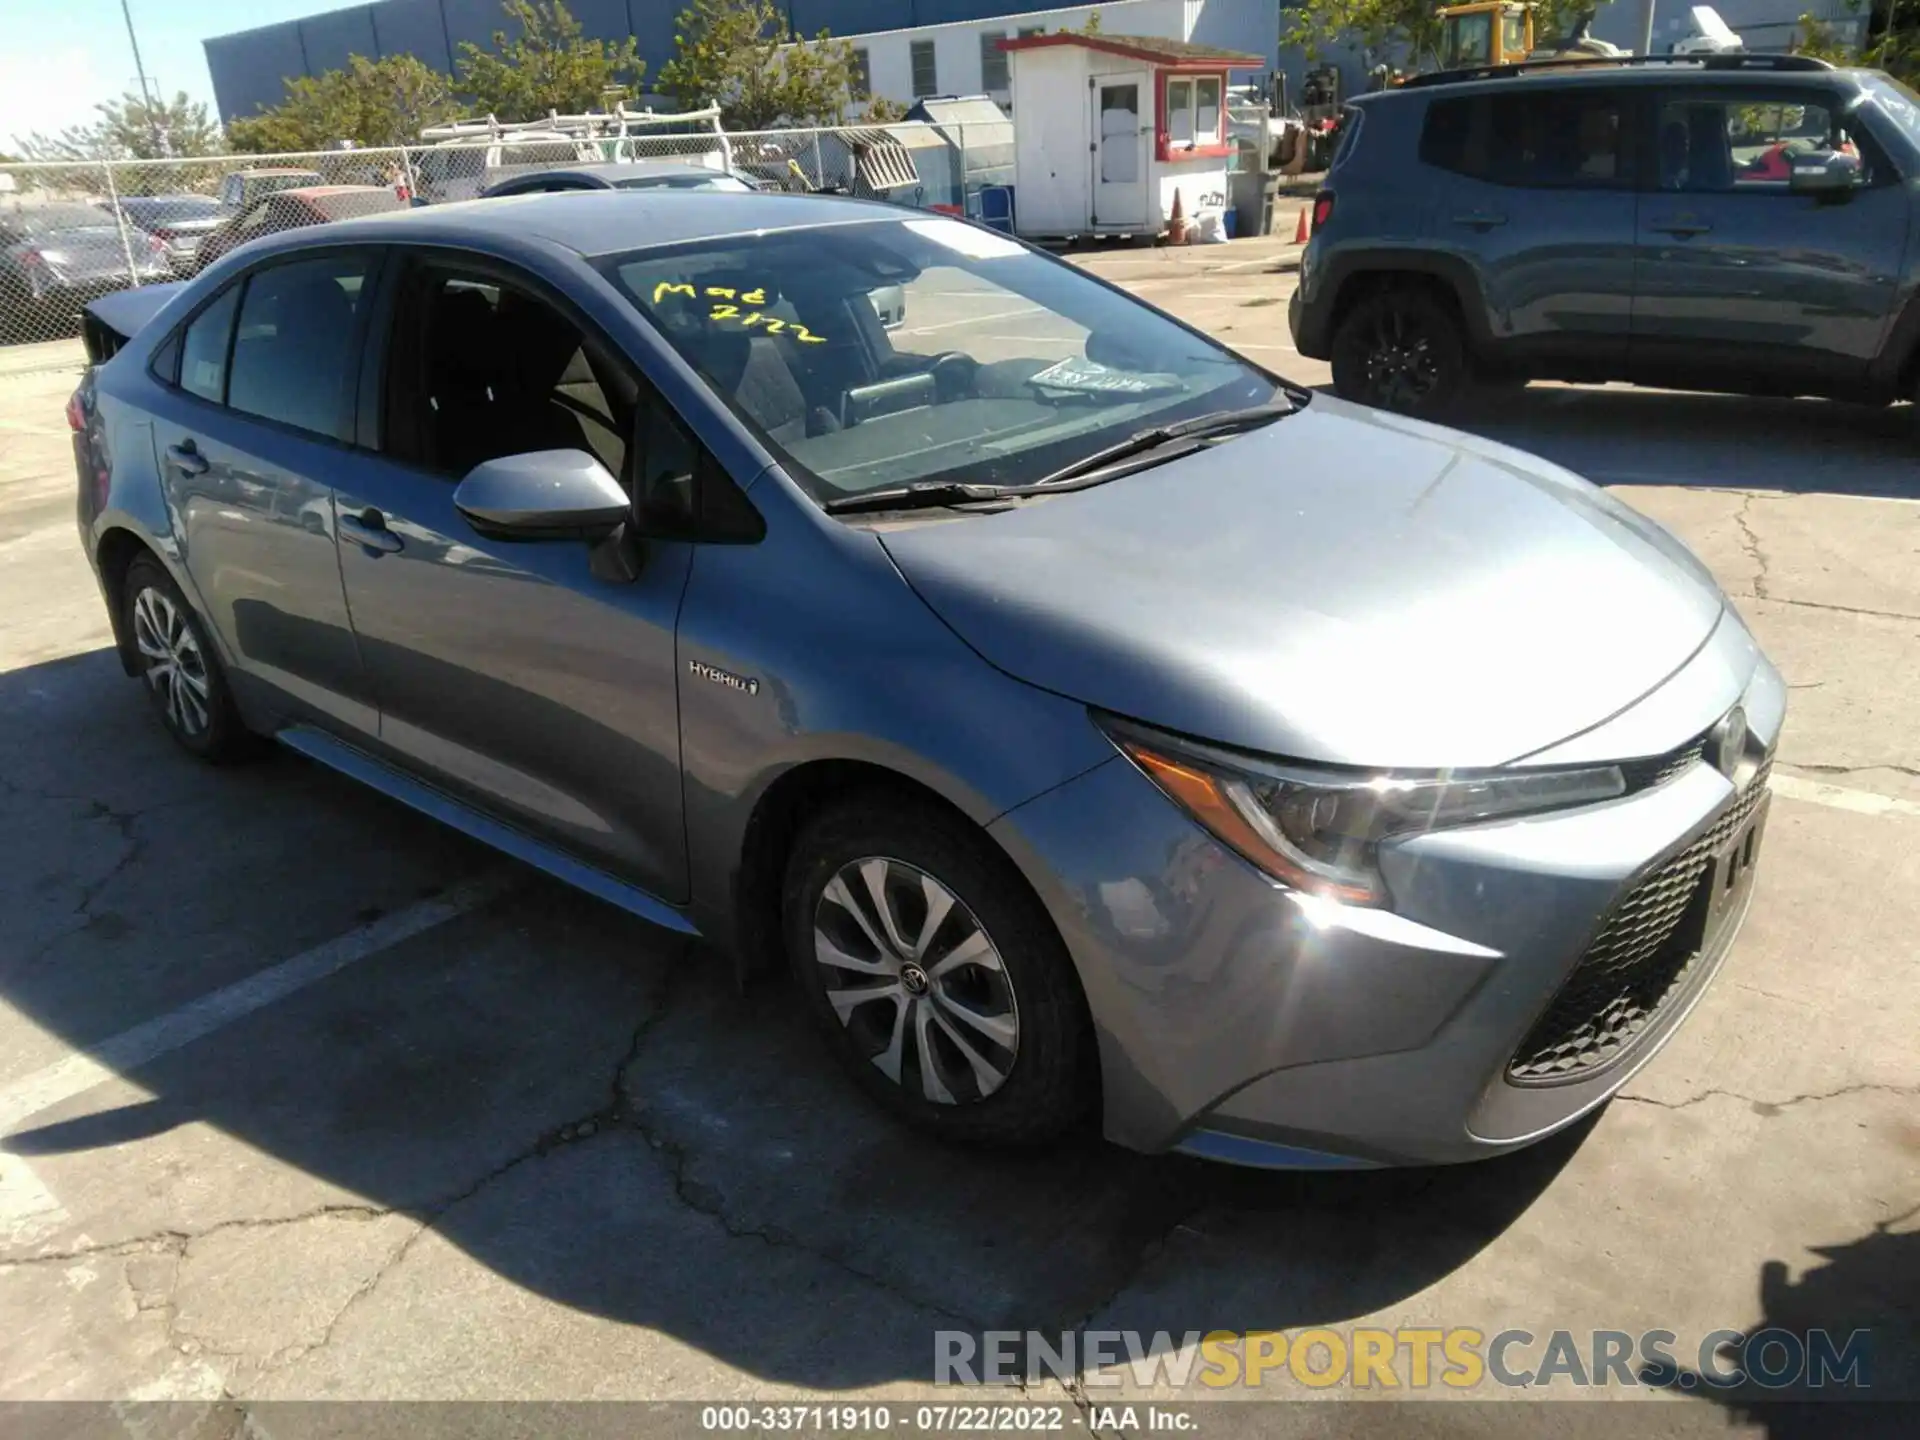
(72,232)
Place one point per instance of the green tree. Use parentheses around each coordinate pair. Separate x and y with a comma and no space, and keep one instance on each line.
(1892,39)
(879,109)
(370,102)
(1410,28)
(743,56)
(132,128)
(548,65)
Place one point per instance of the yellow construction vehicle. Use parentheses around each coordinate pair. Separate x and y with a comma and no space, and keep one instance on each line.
(1490,32)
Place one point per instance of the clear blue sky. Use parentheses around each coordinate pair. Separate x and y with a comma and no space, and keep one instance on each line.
(72,54)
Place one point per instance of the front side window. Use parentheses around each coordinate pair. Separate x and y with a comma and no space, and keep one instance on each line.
(204,347)
(1468,41)
(1540,139)
(1746,146)
(926,74)
(295,348)
(478,370)
(860,76)
(1009,365)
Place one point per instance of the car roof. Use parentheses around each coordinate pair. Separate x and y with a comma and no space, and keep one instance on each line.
(593,222)
(275,170)
(1601,72)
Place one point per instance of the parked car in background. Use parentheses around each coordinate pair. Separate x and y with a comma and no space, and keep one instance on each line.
(181,222)
(239,190)
(56,256)
(1093,721)
(1729,222)
(465,170)
(293,209)
(619,175)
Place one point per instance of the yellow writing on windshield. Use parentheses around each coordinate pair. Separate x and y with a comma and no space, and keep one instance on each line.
(732,302)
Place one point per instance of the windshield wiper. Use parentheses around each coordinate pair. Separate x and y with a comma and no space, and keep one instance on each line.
(938,494)
(1217,422)
(927,495)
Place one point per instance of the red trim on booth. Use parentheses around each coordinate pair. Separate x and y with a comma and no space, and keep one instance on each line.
(1163,146)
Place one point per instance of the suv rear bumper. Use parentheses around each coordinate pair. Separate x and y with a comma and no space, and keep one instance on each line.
(1311,323)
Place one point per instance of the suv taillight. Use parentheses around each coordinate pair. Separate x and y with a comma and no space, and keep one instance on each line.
(1322,208)
(76,413)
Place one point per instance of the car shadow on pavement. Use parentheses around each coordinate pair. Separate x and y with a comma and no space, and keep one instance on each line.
(585,1106)
(1734,442)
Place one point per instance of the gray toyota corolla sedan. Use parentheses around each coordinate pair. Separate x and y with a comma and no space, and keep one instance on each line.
(1093,721)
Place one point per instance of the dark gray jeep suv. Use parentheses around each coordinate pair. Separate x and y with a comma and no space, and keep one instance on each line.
(1737,223)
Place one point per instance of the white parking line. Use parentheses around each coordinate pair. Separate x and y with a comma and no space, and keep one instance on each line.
(1839,797)
(146,1042)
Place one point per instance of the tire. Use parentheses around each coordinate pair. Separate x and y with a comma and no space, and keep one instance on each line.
(179,668)
(1401,350)
(1030,1077)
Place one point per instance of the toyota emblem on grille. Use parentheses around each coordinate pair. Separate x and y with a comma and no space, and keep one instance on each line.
(1727,742)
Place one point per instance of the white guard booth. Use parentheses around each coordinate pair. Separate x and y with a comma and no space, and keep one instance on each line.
(1108,128)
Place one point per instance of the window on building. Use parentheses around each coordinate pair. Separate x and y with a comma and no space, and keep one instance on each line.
(1193,111)
(1550,138)
(1026,30)
(926,75)
(993,61)
(861,79)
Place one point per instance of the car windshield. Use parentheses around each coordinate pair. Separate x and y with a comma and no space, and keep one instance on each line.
(1896,101)
(923,350)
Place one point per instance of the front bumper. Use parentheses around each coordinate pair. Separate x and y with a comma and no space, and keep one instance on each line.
(1245,1022)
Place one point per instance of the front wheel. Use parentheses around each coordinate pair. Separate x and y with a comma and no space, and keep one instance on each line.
(1400,350)
(936,976)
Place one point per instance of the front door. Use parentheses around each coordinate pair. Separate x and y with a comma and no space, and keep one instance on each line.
(510,673)
(1737,273)
(1120,129)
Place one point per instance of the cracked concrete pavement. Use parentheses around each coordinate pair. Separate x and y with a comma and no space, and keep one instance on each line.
(540,1151)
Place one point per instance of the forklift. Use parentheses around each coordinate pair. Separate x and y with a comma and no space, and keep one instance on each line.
(1500,32)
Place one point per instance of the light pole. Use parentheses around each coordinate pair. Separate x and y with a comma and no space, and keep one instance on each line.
(1646,27)
(147,97)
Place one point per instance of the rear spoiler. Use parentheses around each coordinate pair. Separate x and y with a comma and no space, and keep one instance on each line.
(112,320)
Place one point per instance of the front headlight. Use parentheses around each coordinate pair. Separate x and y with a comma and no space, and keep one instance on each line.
(1319,830)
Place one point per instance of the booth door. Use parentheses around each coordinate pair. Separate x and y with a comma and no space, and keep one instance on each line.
(1120,123)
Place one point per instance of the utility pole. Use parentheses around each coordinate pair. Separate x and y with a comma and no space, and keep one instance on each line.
(147,96)
(1646,27)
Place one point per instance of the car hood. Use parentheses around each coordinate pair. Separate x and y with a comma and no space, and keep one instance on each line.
(1343,586)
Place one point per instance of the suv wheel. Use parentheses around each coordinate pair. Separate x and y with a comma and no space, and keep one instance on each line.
(178,666)
(1400,350)
(937,978)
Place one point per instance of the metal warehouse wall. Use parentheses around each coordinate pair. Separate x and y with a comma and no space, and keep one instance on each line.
(248,68)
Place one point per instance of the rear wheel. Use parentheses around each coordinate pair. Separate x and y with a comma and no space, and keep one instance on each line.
(178,666)
(1400,350)
(935,974)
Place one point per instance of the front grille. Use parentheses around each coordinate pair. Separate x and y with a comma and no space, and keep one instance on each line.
(1637,963)
(1645,774)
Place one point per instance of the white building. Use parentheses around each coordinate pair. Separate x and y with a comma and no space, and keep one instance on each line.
(964,57)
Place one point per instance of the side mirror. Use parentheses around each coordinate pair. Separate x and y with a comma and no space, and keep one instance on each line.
(1833,175)
(543,495)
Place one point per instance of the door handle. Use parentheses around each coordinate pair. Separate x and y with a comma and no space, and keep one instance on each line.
(1683,227)
(186,458)
(369,531)
(1480,220)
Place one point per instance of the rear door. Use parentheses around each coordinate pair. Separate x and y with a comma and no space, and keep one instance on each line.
(1737,276)
(1537,197)
(511,674)
(251,425)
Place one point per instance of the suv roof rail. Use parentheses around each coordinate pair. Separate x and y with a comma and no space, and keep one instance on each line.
(1737,61)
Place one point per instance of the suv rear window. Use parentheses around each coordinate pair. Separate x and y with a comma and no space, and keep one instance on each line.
(1540,138)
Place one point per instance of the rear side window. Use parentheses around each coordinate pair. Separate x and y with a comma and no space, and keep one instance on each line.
(1545,139)
(1351,120)
(203,349)
(295,350)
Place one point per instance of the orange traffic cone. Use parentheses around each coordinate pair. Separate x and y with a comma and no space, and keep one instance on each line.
(1302,230)
(1179,228)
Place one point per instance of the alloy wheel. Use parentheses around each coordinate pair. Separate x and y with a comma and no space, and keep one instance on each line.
(175,669)
(915,979)
(1402,369)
